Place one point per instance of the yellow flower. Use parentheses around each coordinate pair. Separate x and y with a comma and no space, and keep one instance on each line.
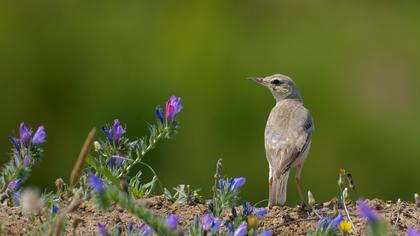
(345,227)
(252,222)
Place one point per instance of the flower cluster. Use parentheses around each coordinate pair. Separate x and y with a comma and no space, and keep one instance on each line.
(205,225)
(26,147)
(117,154)
(227,194)
(366,212)
(247,221)
(115,133)
(240,225)
(333,226)
(173,107)
(26,152)
(245,229)
(249,210)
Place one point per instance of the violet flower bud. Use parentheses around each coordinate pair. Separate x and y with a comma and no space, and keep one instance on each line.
(24,133)
(118,131)
(173,107)
(39,136)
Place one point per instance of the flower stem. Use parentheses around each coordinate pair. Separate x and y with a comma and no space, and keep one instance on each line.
(152,144)
(347,212)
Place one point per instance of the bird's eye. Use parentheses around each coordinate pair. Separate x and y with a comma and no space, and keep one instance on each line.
(276,82)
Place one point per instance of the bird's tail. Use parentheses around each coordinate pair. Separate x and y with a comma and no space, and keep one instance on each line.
(278,189)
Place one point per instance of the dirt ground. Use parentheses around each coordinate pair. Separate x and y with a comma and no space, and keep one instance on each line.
(280,220)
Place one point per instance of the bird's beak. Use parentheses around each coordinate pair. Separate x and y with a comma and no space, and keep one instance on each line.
(256,79)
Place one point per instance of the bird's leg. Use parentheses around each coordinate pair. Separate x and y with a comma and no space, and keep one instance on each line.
(302,200)
(270,181)
(297,181)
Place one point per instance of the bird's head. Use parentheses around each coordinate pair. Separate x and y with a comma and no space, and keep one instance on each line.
(281,86)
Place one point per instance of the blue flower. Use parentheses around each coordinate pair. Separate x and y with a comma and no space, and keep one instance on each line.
(323,223)
(260,212)
(172,221)
(15,143)
(242,230)
(108,133)
(217,222)
(115,162)
(118,130)
(207,222)
(159,114)
(39,136)
(24,133)
(265,233)
(413,232)
(145,230)
(173,106)
(15,184)
(366,212)
(16,198)
(247,209)
(54,209)
(237,183)
(130,226)
(102,230)
(222,184)
(26,161)
(96,183)
(230,229)
(336,221)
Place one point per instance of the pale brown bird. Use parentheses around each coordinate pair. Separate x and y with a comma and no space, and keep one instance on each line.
(287,136)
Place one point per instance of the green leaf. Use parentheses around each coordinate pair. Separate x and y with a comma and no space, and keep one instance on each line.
(102,170)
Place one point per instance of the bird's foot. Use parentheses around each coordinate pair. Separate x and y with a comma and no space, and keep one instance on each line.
(304,207)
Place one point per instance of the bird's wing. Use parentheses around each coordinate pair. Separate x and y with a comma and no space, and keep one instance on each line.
(288,134)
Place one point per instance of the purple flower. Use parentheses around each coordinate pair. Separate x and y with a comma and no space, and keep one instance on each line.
(118,130)
(108,133)
(222,184)
(242,230)
(247,209)
(260,212)
(39,136)
(96,183)
(206,222)
(15,184)
(145,230)
(15,143)
(16,198)
(265,233)
(24,133)
(237,183)
(54,209)
(413,232)
(173,106)
(323,223)
(366,212)
(336,221)
(230,229)
(26,161)
(115,162)
(102,230)
(217,222)
(159,114)
(172,221)
(130,226)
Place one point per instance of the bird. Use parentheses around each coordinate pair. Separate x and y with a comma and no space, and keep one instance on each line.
(287,136)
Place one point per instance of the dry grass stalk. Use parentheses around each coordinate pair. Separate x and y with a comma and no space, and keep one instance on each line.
(78,167)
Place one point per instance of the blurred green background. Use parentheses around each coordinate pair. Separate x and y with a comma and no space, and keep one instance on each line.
(72,65)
